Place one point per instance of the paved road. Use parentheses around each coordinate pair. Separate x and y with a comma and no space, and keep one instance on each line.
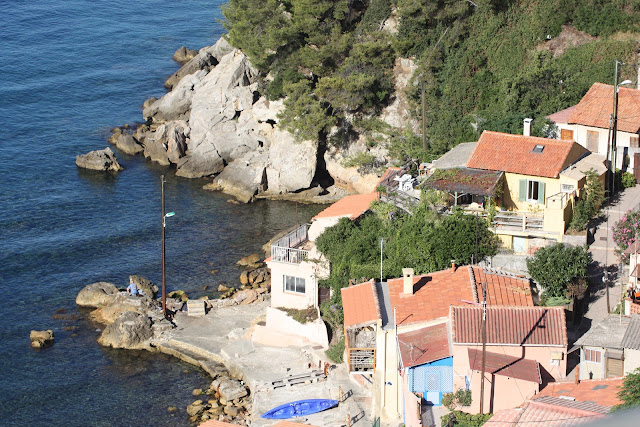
(603,250)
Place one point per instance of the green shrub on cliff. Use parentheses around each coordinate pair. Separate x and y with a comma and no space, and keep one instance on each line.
(485,64)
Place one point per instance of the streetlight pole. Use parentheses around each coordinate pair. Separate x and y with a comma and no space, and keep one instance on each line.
(164,287)
(164,217)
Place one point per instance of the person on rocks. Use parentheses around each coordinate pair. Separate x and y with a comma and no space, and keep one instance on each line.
(132,289)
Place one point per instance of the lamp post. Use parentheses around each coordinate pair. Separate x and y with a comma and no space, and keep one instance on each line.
(164,217)
(614,135)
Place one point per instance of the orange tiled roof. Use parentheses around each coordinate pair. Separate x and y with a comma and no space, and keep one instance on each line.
(562,115)
(390,171)
(514,153)
(601,392)
(502,288)
(545,326)
(435,292)
(596,107)
(352,206)
(507,366)
(539,414)
(424,345)
(360,304)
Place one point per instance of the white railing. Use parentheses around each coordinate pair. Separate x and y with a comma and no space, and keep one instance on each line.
(284,249)
(558,201)
(294,238)
(288,255)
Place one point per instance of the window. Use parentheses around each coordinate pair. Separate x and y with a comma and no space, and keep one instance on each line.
(592,355)
(566,134)
(634,142)
(568,188)
(538,148)
(294,284)
(592,140)
(531,191)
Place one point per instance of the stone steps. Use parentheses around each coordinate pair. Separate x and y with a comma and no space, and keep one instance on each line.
(196,308)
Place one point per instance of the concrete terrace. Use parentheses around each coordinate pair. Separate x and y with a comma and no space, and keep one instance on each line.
(223,337)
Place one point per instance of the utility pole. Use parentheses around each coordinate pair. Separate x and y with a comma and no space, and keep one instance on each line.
(164,288)
(424,135)
(614,136)
(484,345)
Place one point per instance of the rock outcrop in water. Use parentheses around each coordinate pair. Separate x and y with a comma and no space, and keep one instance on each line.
(100,160)
(41,339)
(97,294)
(214,123)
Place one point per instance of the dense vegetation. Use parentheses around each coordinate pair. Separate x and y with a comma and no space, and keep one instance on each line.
(485,64)
(560,270)
(423,241)
(629,392)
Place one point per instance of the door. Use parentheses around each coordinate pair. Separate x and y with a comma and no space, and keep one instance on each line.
(519,244)
(636,166)
(614,367)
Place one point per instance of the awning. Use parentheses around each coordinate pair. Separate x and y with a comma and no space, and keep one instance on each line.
(478,182)
(614,354)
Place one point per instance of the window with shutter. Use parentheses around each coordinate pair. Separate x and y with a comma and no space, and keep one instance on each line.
(634,142)
(534,191)
(566,134)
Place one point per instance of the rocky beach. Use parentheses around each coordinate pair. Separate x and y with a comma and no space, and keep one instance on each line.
(218,339)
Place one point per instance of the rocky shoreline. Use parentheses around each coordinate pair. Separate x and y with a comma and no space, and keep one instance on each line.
(137,323)
(213,123)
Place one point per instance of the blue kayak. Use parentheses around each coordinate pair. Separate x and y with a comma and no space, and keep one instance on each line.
(299,408)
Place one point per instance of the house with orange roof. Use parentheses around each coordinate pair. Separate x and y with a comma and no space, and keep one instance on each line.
(539,181)
(564,403)
(526,348)
(295,263)
(296,266)
(589,121)
(399,331)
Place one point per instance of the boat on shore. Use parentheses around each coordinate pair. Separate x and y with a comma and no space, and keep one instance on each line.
(299,408)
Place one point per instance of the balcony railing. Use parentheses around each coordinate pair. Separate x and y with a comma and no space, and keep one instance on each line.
(362,359)
(284,249)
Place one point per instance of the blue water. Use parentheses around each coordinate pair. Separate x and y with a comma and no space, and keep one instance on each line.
(71,70)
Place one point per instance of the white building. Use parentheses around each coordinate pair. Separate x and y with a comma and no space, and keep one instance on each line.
(588,124)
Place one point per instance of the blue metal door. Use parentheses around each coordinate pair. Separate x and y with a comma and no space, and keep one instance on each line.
(432,380)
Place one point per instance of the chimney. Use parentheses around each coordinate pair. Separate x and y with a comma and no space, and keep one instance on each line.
(527,127)
(407,280)
(453,265)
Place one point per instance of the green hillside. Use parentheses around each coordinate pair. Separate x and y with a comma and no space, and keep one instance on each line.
(486,64)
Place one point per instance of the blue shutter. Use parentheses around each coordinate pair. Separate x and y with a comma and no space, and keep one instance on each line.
(523,190)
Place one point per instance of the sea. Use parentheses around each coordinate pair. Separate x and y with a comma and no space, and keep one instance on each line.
(71,70)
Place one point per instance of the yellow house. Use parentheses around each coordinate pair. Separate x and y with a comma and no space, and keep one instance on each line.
(528,184)
(542,178)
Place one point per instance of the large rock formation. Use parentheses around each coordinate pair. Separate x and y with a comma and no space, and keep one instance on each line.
(100,160)
(122,302)
(214,123)
(97,294)
(129,330)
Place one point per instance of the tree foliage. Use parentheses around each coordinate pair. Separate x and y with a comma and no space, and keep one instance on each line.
(629,392)
(588,205)
(555,267)
(423,241)
(484,64)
